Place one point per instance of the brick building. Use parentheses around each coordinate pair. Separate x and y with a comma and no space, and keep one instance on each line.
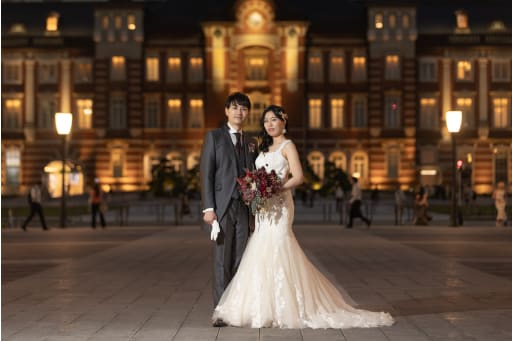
(366,85)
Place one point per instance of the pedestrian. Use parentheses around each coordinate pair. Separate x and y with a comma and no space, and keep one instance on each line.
(400,203)
(355,204)
(97,205)
(421,216)
(340,201)
(500,202)
(34,200)
(227,152)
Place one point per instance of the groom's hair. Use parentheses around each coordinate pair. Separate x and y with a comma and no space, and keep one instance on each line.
(238,98)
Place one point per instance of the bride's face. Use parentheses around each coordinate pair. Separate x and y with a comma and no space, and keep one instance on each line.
(273,125)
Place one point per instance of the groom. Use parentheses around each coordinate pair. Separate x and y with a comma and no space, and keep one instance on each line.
(226,153)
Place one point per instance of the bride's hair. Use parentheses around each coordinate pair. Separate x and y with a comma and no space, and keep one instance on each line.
(266,139)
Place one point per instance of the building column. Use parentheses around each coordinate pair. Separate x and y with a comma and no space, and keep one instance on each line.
(483,89)
(29,100)
(65,86)
(446,95)
(218,36)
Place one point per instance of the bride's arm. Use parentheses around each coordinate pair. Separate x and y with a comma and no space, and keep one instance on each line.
(291,154)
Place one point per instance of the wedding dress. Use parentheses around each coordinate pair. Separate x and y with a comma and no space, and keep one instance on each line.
(276,285)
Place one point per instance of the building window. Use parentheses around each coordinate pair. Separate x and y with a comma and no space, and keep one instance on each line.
(379,21)
(117,111)
(359,163)
(196,113)
(337,68)
(392,111)
(501,165)
(501,112)
(52,22)
(462,21)
(393,162)
(315,113)
(48,72)
(256,69)
(174,160)
(501,70)
(174,70)
(118,68)
(339,160)
(152,69)
(427,71)
(464,70)
(359,111)
(392,67)
(152,111)
(117,162)
(46,111)
(84,111)
(83,72)
(358,69)
(429,113)
(316,161)
(12,72)
(392,20)
(12,166)
(174,115)
(118,22)
(428,156)
(130,22)
(195,74)
(337,109)
(315,67)
(465,105)
(105,22)
(11,114)
(405,21)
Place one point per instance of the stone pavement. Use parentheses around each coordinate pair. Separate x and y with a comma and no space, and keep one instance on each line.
(155,285)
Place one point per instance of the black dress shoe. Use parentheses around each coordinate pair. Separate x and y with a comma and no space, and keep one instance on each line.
(219,323)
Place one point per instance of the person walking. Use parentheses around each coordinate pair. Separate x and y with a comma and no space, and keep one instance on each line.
(226,153)
(34,199)
(500,202)
(421,216)
(340,202)
(96,201)
(400,203)
(355,204)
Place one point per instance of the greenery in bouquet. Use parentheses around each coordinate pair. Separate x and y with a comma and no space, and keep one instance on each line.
(257,186)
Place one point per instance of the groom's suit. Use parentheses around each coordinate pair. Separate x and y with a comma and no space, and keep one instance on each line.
(220,166)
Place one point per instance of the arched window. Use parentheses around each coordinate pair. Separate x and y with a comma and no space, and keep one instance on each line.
(359,166)
(316,161)
(52,22)
(339,159)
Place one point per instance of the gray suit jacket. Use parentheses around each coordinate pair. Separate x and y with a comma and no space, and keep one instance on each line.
(219,168)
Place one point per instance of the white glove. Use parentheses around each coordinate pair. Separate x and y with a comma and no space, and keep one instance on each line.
(215,230)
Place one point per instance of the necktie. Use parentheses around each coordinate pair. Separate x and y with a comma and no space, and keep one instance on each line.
(238,145)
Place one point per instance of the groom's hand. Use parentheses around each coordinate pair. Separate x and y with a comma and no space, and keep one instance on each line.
(209,217)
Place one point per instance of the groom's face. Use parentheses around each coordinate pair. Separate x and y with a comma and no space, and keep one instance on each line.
(236,114)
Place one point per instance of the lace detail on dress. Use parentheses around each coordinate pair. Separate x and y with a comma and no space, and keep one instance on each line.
(276,285)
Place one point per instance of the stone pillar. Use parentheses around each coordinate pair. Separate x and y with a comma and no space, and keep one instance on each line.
(29,100)
(483,100)
(446,95)
(218,59)
(292,59)
(65,86)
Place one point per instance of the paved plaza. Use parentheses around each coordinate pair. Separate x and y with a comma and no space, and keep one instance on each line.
(154,283)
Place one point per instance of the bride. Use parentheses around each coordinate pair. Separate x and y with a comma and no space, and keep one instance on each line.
(276,285)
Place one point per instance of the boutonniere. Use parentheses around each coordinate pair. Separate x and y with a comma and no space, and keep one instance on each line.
(252,147)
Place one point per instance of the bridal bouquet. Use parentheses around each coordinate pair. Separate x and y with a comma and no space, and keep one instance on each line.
(257,186)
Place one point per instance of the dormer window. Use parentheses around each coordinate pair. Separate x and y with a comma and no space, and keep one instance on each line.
(462,21)
(379,21)
(52,22)
(497,26)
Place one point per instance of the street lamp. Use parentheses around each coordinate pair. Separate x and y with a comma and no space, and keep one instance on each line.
(63,121)
(453,121)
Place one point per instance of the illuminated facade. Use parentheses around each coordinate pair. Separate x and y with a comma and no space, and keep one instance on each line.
(144,81)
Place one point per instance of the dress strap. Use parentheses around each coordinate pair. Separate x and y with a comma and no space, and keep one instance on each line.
(284,143)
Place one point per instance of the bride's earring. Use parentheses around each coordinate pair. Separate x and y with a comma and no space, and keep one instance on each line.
(284,131)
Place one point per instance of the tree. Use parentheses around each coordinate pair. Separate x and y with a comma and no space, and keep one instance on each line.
(166,181)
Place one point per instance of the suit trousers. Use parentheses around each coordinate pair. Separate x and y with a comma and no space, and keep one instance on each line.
(229,246)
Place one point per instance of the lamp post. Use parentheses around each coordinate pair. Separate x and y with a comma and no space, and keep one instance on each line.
(453,122)
(63,121)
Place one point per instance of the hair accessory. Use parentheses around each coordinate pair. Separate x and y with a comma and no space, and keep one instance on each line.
(283,115)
